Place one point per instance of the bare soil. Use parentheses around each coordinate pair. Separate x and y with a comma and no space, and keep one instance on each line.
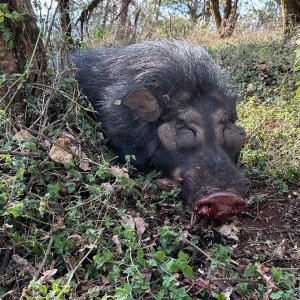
(270,228)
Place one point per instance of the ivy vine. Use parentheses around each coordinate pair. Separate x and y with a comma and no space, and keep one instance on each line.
(5,16)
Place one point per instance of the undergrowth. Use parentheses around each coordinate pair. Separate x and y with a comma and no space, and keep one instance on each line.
(90,228)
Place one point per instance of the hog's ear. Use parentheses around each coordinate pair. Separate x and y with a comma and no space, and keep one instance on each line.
(144,104)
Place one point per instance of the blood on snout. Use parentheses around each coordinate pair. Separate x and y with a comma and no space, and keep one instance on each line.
(219,205)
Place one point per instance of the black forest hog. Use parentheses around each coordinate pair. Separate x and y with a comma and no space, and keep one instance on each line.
(168,104)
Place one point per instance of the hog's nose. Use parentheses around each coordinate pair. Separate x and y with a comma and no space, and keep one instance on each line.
(219,205)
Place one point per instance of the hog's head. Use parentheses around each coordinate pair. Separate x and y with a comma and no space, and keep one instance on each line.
(171,106)
(198,144)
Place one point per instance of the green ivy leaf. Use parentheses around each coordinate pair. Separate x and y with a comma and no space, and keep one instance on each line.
(277,295)
(168,281)
(187,271)
(43,289)
(160,255)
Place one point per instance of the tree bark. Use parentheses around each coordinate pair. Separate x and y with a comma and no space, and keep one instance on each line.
(65,21)
(136,18)
(193,8)
(215,11)
(224,24)
(85,14)
(123,16)
(25,35)
(290,15)
(26,46)
(157,13)
(122,29)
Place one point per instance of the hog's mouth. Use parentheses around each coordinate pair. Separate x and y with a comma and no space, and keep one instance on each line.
(219,205)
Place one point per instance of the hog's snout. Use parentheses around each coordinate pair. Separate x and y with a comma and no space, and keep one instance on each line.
(219,205)
(213,185)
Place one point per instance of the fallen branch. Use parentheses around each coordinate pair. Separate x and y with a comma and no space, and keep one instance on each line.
(17,153)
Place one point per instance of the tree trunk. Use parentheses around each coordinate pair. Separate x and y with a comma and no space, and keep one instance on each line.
(193,8)
(215,11)
(106,12)
(157,13)
(25,36)
(65,21)
(290,14)
(224,24)
(25,46)
(123,16)
(121,31)
(85,14)
(136,18)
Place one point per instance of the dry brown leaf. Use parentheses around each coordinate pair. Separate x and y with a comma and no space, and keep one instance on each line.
(117,242)
(266,294)
(128,220)
(118,172)
(87,246)
(108,188)
(20,260)
(60,155)
(140,225)
(84,163)
(229,230)
(45,145)
(295,253)
(64,142)
(48,275)
(100,136)
(68,135)
(27,268)
(227,293)
(22,135)
(165,184)
(78,240)
(204,284)
(279,251)
(76,237)
(261,269)
(146,274)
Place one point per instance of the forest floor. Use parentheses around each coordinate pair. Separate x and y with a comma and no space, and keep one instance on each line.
(95,229)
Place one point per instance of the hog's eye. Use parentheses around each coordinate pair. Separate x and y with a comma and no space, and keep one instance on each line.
(185,138)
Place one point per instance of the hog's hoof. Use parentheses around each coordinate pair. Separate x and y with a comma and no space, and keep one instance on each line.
(219,205)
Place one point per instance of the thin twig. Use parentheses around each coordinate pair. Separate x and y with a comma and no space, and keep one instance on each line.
(6,294)
(122,10)
(5,261)
(237,280)
(16,153)
(197,248)
(38,273)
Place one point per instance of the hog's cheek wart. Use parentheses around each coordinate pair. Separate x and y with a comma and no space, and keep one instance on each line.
(185,139)
(167,134)
(192,116)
